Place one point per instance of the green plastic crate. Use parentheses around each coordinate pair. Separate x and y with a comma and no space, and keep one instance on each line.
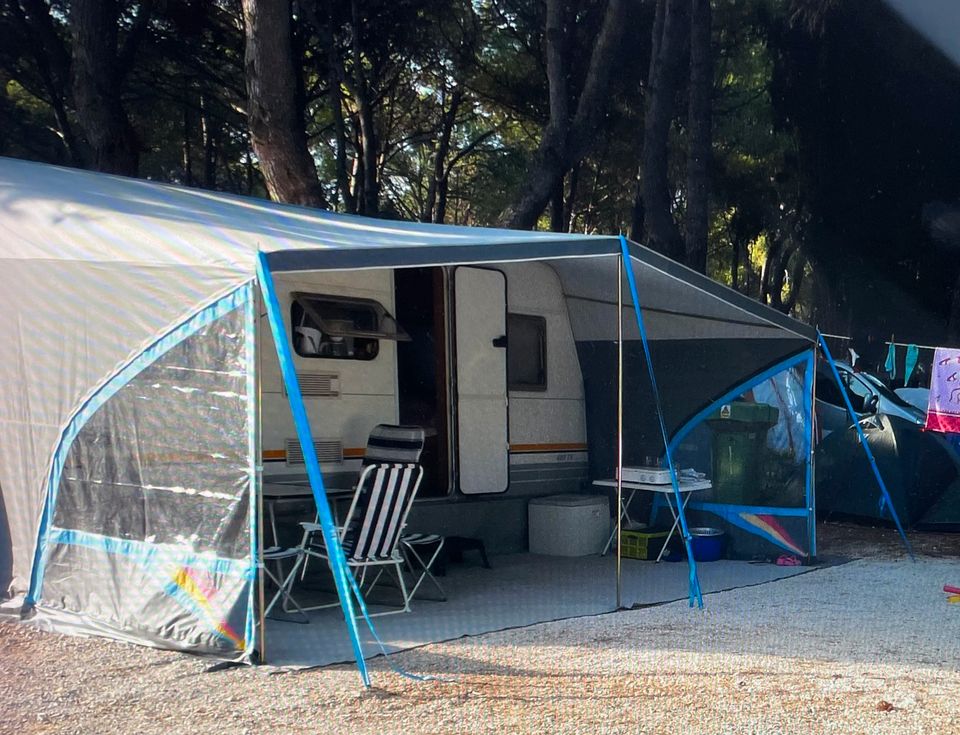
(643,545)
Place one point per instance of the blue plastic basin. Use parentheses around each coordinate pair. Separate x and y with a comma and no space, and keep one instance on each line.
(707,543)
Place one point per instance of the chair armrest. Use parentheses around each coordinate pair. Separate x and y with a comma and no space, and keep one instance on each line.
(311,527)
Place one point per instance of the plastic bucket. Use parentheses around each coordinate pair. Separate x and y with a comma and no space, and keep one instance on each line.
(707,543)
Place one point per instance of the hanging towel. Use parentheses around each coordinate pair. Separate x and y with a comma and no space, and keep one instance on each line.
(853,357)
(910,362)
(943,410)
(890,366)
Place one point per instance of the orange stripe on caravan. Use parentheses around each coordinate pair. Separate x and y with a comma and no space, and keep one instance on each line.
(563,447)
(358,452)
(281,454)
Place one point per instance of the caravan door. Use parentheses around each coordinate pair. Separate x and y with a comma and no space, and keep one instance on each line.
(480,324)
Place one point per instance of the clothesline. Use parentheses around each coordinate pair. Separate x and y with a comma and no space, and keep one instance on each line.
(888,342)
(908,344)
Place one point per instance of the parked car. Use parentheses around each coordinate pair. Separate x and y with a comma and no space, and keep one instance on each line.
(921,469)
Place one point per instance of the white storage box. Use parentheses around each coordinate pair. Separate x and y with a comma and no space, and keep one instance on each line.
(569,525)
(647,475)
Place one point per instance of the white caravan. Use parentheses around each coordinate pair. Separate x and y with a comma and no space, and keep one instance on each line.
(483,358)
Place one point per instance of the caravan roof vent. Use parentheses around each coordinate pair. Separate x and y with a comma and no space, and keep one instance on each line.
(328,450)
(322,385)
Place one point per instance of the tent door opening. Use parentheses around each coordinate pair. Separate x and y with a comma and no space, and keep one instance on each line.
(480,347)
(422,375)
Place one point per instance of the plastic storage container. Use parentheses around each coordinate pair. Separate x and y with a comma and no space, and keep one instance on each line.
(706,543)
(739,437)
(568,525)
(642,544)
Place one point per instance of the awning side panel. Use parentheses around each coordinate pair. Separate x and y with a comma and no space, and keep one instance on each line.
(66,328)
(691,375)
(150,534)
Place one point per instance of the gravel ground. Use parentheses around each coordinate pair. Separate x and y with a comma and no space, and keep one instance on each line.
(864,647)
(853,541)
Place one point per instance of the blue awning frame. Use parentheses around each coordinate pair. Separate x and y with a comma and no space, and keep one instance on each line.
(885,500)
(342,577)
(695,594)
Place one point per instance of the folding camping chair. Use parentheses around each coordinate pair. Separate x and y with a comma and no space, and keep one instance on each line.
(370,535)
(391,443)
(388,444)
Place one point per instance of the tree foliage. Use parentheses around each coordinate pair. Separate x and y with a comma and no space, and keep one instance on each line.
(780,145)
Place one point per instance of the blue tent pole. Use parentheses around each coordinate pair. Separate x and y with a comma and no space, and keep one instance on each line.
(863,443)
(695,593)
(809,391)
(338,562)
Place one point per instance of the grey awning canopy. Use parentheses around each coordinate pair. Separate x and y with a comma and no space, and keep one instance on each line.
(130,260)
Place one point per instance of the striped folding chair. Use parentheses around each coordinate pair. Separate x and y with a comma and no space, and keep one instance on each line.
(391,443)
(370,535)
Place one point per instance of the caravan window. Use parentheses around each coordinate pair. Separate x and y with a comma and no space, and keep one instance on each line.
(526,352)
(339,327)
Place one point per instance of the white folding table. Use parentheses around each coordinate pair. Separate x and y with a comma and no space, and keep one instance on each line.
(687,487)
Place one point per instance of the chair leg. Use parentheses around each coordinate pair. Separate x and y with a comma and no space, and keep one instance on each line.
(424,572)
(403,586)
(401,583)
(284,593)
(284,587)
(304,542)
(483,555)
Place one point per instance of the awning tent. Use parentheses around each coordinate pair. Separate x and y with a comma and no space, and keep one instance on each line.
(127,336)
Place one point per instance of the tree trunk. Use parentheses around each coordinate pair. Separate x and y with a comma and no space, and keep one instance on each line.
(775,270)
(187,149)
(565,141)
(369,201)
(770,264)
(248,165)
(97,75)
(550,160)
(556,207)
(335,78)
(277,130)
(569,208)
(441,211)
(697,217)
(208,134)
(662,232)
(447,121)
(53,65)
(735,264)
(638,213)
(797,273)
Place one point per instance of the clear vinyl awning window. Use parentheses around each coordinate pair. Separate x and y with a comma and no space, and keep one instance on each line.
(341,327)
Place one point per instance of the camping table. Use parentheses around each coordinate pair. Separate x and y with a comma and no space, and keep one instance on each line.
(687,487)
(279,492)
